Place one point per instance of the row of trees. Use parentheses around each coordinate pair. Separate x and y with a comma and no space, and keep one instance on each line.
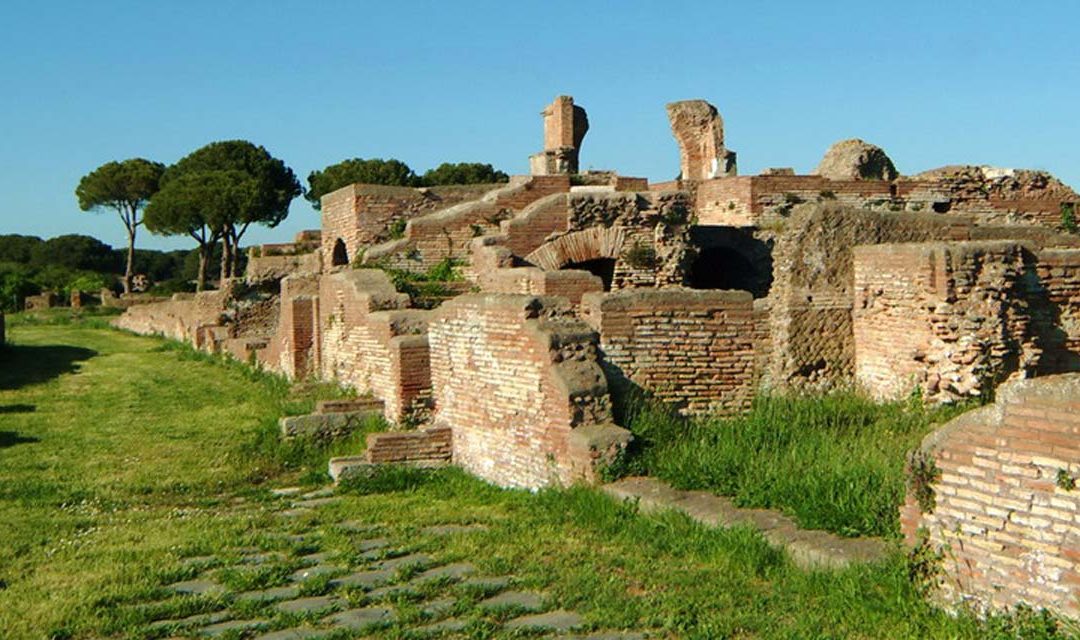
(215,193)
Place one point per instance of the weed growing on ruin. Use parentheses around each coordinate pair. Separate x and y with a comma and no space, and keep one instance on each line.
(1068,217)
(640,256)
(833,462)
(396,230)
(1065,481)
(922,474)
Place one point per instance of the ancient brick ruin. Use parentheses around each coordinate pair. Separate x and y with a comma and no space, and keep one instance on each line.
(702,292)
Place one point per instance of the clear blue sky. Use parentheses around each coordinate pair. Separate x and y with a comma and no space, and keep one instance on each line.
(934,83)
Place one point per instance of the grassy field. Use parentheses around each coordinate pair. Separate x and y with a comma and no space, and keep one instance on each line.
(122,455)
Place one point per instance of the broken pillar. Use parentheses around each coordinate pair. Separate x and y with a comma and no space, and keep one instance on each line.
(565,125)
(699,130)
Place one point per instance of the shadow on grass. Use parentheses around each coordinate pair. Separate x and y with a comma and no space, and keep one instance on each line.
(22,365)
(17,408)
(12,438)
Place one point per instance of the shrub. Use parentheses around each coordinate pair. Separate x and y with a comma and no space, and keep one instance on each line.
(640,256)
(1068,217)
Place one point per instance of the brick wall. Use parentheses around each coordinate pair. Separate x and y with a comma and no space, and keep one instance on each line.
(948,319)
(614,225)
(369,341)
(424,445)
(570,284)
(1001,509)
(291,350)
(361,214)
(953,320)
(447,233)
(694,349)
(516,379)
(275,267)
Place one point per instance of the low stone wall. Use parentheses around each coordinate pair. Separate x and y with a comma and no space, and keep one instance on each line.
(995,492)
(694,349)
(371,342)
(180,317)
(275,267)
(516,378)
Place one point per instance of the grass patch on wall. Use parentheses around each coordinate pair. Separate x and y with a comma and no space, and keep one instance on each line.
(833,462)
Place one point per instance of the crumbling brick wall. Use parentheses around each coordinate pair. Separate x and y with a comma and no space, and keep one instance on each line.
(516,379)
(180,317)
(447,233)
(994,492)
(694,349)
(291,350)
(363,214)
(646,234)
(951,320)
(371,342)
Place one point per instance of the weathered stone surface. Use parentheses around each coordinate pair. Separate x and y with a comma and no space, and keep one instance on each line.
(363,618)
(809,549)
(528,600)
(286,492)
(565,126)
(307,605)
(363,579)
(558,621)
(455,571)
(372,544)
(318,570)
(191,621)
(855,159)
(317,426)
(699,130)
(196,587)
(438,607)
(410,560)
(271,594)
(299,633)
(231,626)
(450,625)
(487,583)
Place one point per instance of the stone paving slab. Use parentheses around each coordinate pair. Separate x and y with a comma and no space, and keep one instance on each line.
(325,492)
(261,558)
(438,607)
(450,625)
(311,572)
(223,628)
(609,635)
(529,600)
(558,621)
(311,503)
(362,618)
(312,604)
(363,579)
(197,560)
(196,587)
(294,634)
(318,557)
(808,549)
(198,619)
(271,594)
(286,492)
(372,544)
(411,560)
(387,592)
(455,571)
(295,512)
(487,583)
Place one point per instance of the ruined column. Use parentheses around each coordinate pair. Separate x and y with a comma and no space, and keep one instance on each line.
(565,125)
(699,130)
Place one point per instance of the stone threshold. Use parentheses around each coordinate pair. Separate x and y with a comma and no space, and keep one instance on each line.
(809,549)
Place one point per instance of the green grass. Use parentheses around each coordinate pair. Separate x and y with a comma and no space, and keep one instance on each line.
(833,462)
(120,456)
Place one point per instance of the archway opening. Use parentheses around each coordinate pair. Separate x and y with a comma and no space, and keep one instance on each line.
(340,255)
(604,268)
(724,268)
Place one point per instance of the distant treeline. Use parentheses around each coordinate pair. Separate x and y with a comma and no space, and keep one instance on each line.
(30,265)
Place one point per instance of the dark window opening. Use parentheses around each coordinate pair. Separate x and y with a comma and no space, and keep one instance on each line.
(723,268)
(341,255)
(604,268)
(942,207)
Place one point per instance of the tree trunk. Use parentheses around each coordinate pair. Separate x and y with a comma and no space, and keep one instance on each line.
(130,260)
(234,268)
(204,257)
(226,256)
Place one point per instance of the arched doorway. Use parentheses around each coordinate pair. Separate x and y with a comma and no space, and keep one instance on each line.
(730,258)
(340,255)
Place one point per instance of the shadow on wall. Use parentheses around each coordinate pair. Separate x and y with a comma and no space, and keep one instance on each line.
(25,365)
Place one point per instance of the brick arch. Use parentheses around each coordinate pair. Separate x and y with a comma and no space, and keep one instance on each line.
(580,246)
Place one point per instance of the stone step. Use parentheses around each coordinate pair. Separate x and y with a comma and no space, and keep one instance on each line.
(809,549)
(349,405)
